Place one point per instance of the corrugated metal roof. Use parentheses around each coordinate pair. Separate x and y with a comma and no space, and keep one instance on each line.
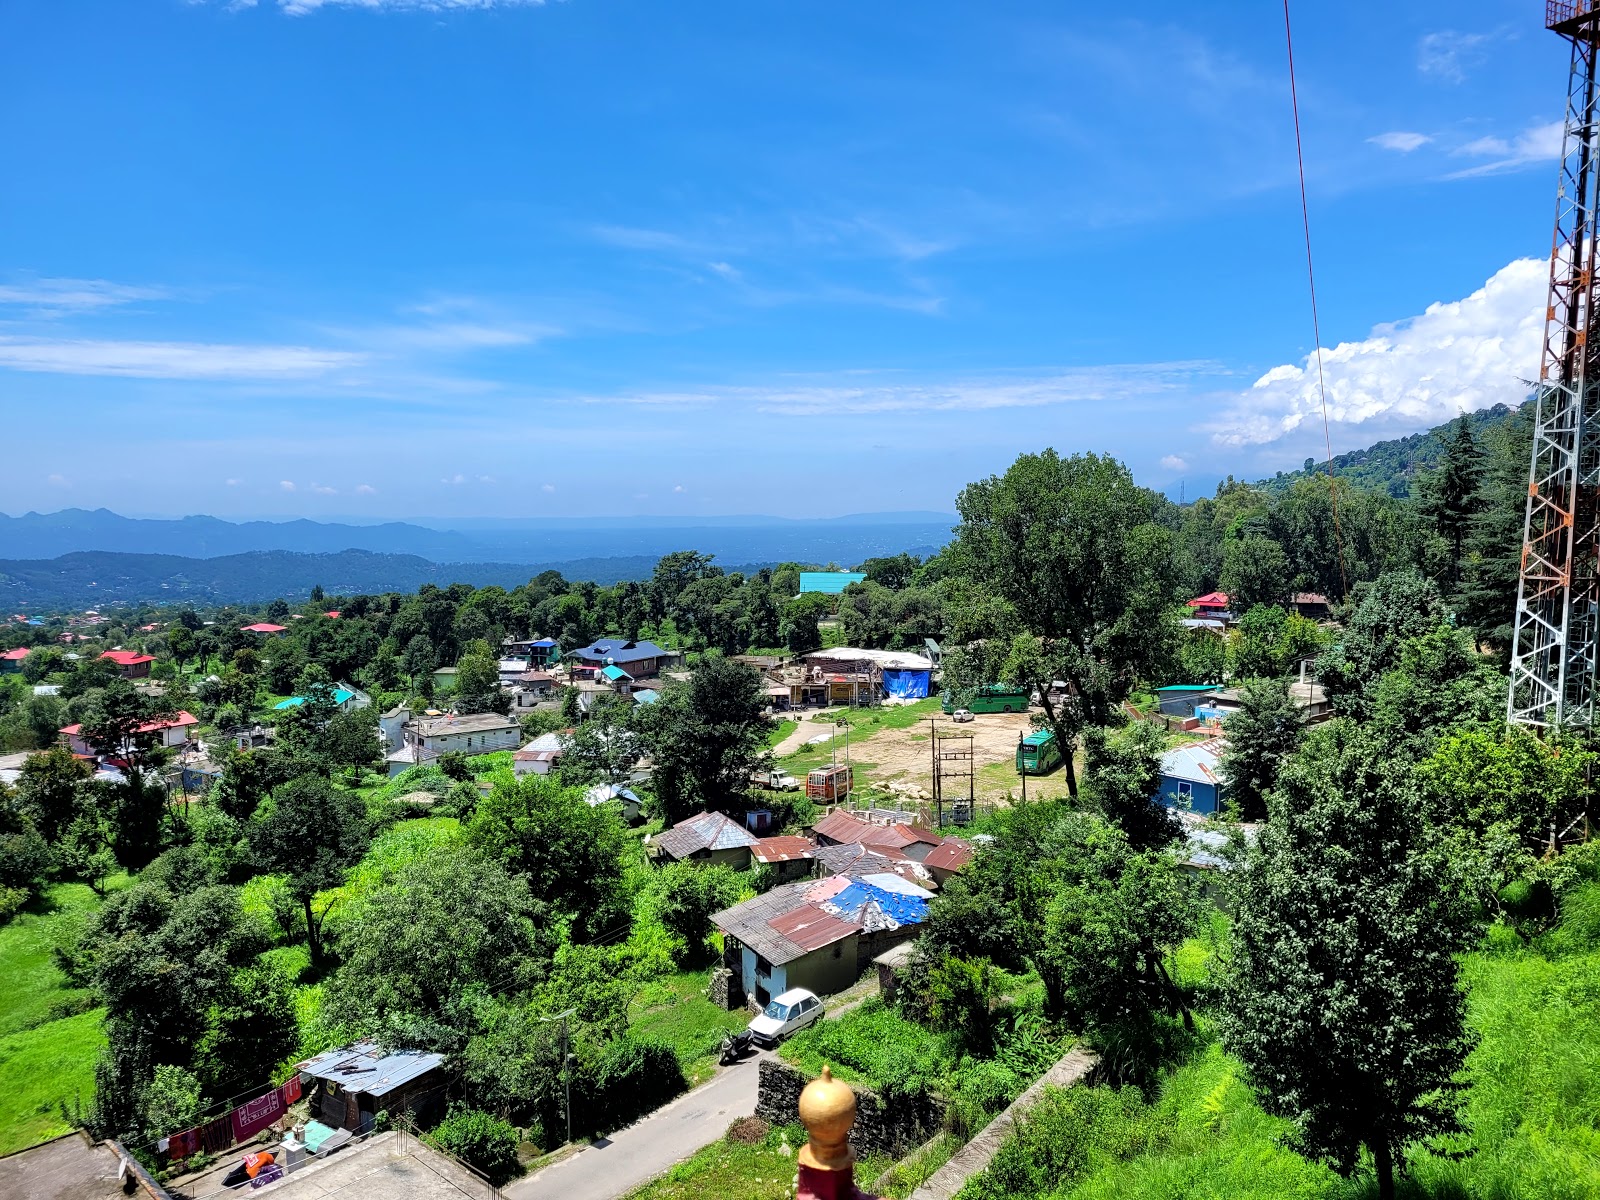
(951,856)
(781,849)
(749,922)
(811,928)
(1197,763)
(366,1068)
(704,831)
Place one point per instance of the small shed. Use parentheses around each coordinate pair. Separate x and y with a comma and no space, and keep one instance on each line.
(891,964)
(1191,778)
(349,1086)
(1180,699)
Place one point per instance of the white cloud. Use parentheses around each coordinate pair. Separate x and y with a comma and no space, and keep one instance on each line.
(485,478)
(1400,140)
(548,487)
(233,482)
(1456,356)
(52,297)
(366,489)
(677,487)
(726,270)
(1536,144)
(1448,55)
(1173,463)
(170,360)
(323,489)
(286,484)
(454,480)
(58,481)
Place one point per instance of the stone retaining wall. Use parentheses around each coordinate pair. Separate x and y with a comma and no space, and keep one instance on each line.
(896,1128)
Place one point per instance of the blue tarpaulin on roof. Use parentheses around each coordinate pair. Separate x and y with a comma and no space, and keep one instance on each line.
(905,684)
(905,910)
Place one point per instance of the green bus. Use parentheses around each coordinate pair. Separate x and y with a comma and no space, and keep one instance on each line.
(994,698)
(1037,754)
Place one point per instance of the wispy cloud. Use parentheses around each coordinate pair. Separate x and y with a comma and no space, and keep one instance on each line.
(171,360)
(300,8)
(1457,356)
(1173,462)
(58,297)
(286,484)
(1400,140)
(1117,382)
(1537,144)
(366,489)
(1449,56)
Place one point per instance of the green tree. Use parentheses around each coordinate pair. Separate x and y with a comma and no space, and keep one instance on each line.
(706,735)
(800,628)
(1072,547)
(310,831)
(1123,778)
(1341,992)
(569,852)
(1255,570)
(1450,494)
(478,681)
(1395,607)
(1254,645)
(1262,734)
(684,896)
(415,950)
(53,790)
(172,1103)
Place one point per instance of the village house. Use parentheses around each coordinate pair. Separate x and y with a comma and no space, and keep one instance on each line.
(947,858)
(640,660)
(174,730)
(1213,606)
(11,660)
(444,679)
(1312,605)
(1181,699)
(348,1087)
(540,756)
(706,837)
(130,663)
(789,858)
(415,741)
(1191,778)
(902,840)
(540,652)
(532,688)
(265,629)
(345,697)
(628,803)
(817,933)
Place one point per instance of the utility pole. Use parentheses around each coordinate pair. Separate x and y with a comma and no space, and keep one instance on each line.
(566,1065)
(1022,767)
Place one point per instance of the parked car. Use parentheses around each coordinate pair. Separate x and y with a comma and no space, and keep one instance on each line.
(775,780)
(785,1014)
(961,715)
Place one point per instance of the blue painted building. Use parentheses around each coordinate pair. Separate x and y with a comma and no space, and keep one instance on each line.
(828,583)
(1191,778)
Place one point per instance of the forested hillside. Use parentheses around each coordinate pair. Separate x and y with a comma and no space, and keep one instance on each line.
(1396,465)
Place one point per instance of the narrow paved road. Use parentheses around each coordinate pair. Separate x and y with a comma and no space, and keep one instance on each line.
(616,1165)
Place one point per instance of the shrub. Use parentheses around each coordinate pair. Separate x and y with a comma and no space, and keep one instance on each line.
(635,1076)
(12,901)
(481,1140)
(172,1102)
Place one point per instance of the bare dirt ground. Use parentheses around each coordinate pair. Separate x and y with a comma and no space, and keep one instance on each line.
(905,756)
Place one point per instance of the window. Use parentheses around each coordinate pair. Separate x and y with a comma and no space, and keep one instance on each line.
(1185,788)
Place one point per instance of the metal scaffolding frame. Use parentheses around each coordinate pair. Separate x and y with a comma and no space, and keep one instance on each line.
(954,761)
(1558,604)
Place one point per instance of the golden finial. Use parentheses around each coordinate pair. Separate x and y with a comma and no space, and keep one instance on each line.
(827,1110)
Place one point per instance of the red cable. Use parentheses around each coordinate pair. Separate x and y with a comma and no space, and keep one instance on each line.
(1311,279)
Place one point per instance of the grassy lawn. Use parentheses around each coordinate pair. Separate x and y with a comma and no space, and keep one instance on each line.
(728,1170)
(675,1010)
(39,1069)
(780,730)
(897,716)
(43,1059)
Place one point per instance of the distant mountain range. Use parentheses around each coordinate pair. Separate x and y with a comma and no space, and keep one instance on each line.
(532,541)
(98,578)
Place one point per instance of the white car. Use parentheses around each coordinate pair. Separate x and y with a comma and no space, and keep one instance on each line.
(793,1010)
(961,715)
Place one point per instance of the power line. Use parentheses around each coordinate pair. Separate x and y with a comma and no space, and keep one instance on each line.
(1311,280)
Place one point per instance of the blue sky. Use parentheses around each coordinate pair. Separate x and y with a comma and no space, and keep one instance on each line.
(392,258)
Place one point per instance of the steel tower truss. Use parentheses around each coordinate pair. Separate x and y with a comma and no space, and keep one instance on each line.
(1554,643)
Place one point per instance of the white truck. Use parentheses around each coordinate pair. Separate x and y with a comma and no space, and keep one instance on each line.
(775,780)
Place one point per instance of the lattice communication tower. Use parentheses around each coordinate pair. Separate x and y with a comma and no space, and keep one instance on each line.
(1558,605)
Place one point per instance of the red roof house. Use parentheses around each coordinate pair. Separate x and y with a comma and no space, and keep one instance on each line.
(1217,601)
(264,627)
(174,731)
(130,663)
(11,660)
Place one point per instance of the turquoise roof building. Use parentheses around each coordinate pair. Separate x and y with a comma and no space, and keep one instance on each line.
(828,583)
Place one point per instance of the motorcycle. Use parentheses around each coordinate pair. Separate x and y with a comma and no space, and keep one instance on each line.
(735,1046)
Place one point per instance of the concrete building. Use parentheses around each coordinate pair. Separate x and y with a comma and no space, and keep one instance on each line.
(1191,778)
(709,838)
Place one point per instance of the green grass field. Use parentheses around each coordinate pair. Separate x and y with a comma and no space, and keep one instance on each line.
(44,1058)
(675,1010)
